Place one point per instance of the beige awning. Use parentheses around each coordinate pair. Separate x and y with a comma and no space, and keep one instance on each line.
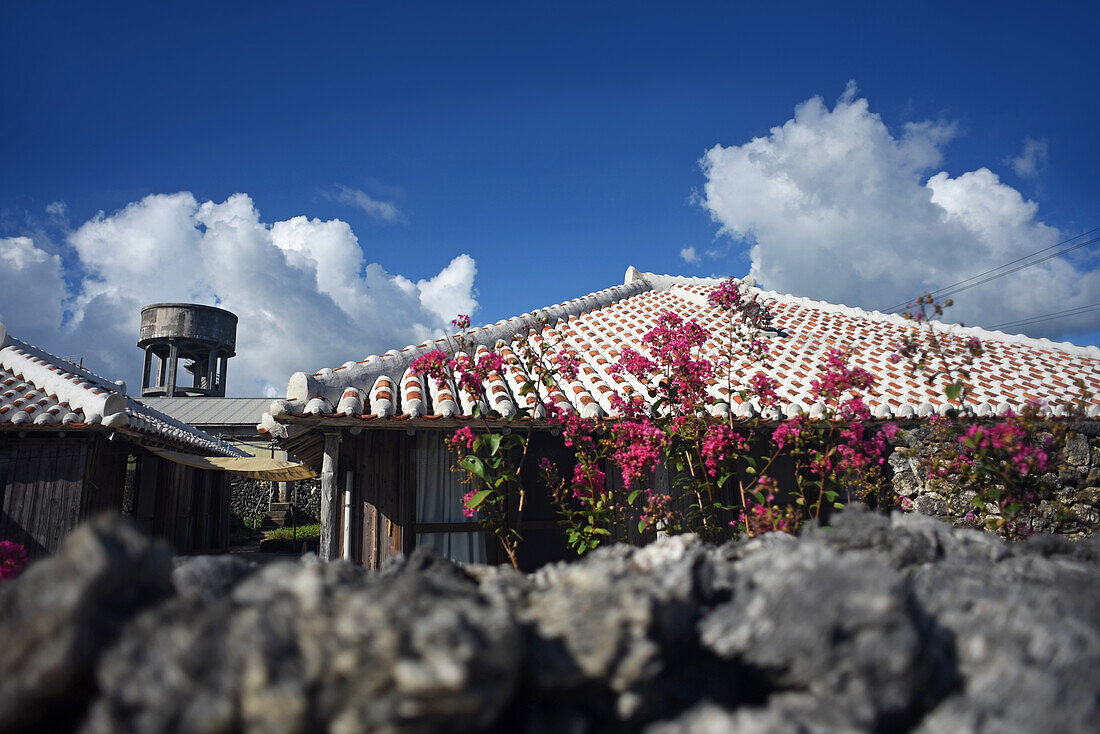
(254,467)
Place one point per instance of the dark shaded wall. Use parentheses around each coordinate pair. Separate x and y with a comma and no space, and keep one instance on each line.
(49,484)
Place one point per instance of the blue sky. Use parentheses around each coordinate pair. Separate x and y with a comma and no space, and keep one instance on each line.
(553,145)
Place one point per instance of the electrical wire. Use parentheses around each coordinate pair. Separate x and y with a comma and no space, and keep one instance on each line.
(953,288)
(1048,316)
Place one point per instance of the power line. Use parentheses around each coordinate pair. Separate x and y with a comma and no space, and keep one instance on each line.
(954,287)
(1048,316)
(1021,267)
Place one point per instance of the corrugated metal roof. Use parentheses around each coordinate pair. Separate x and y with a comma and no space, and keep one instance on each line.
(212,411)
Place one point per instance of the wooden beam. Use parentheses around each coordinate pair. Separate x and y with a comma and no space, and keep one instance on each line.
(329,505)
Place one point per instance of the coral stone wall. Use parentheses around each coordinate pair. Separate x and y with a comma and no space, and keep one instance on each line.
(250,497)
(1074,509)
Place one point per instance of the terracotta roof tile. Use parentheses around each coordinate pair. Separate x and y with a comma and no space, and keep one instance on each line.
(46,391)
(598,327)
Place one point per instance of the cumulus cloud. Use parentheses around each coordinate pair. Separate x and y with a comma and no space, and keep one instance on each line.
(1032,159)
(689,255)
(836,206)
(33,290)
(303,292)
(386,211)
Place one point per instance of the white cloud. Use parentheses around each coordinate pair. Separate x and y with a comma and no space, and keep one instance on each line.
(387,211)
(835,206)
(1032,159)
(57,209)
(301,288)
(451,292)
(33,289)
(689,255)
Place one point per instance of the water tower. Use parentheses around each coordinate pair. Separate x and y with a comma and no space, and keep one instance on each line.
(203,337)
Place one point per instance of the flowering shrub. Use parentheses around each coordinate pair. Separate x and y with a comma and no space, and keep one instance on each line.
(672,414)
(13,557)
(719,468)
(484,458)
(992,472)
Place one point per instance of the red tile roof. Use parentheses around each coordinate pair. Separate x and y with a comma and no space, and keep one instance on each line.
(39,390)
(1013,369)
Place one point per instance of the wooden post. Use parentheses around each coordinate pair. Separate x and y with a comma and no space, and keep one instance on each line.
(329,505)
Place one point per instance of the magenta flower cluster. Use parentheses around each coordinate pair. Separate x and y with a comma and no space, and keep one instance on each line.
(720,442)
(673,344)
(470,375)
(13,557)
(838,378)
(466,499)
(435,364)
(589,480)
(463,438)
(567,364)
(636,447)
(788,432)
(727,296)
(764,388)
(1008,443)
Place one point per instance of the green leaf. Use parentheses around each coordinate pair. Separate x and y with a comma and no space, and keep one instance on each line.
(492,441)
(475,466)
(633,496)
(838,505)
(952,391)
(478,498)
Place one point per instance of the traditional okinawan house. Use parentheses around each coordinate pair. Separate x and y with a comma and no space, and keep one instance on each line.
(376,431)
(73,444)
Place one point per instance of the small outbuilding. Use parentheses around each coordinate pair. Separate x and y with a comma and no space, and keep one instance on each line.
(73,443)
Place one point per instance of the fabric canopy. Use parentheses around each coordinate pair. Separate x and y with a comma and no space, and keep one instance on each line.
(253,467)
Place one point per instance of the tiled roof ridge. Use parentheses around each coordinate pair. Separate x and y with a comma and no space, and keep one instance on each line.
(91,400)
(99,400)
(329,385)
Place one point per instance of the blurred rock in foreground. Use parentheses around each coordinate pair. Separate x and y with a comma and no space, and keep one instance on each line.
(876,624)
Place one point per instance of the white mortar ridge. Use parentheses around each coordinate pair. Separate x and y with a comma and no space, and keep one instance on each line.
(330,384)
(95,397)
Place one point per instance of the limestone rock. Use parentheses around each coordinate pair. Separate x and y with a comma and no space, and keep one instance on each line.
(876,623)
(310,647)
(58,617)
